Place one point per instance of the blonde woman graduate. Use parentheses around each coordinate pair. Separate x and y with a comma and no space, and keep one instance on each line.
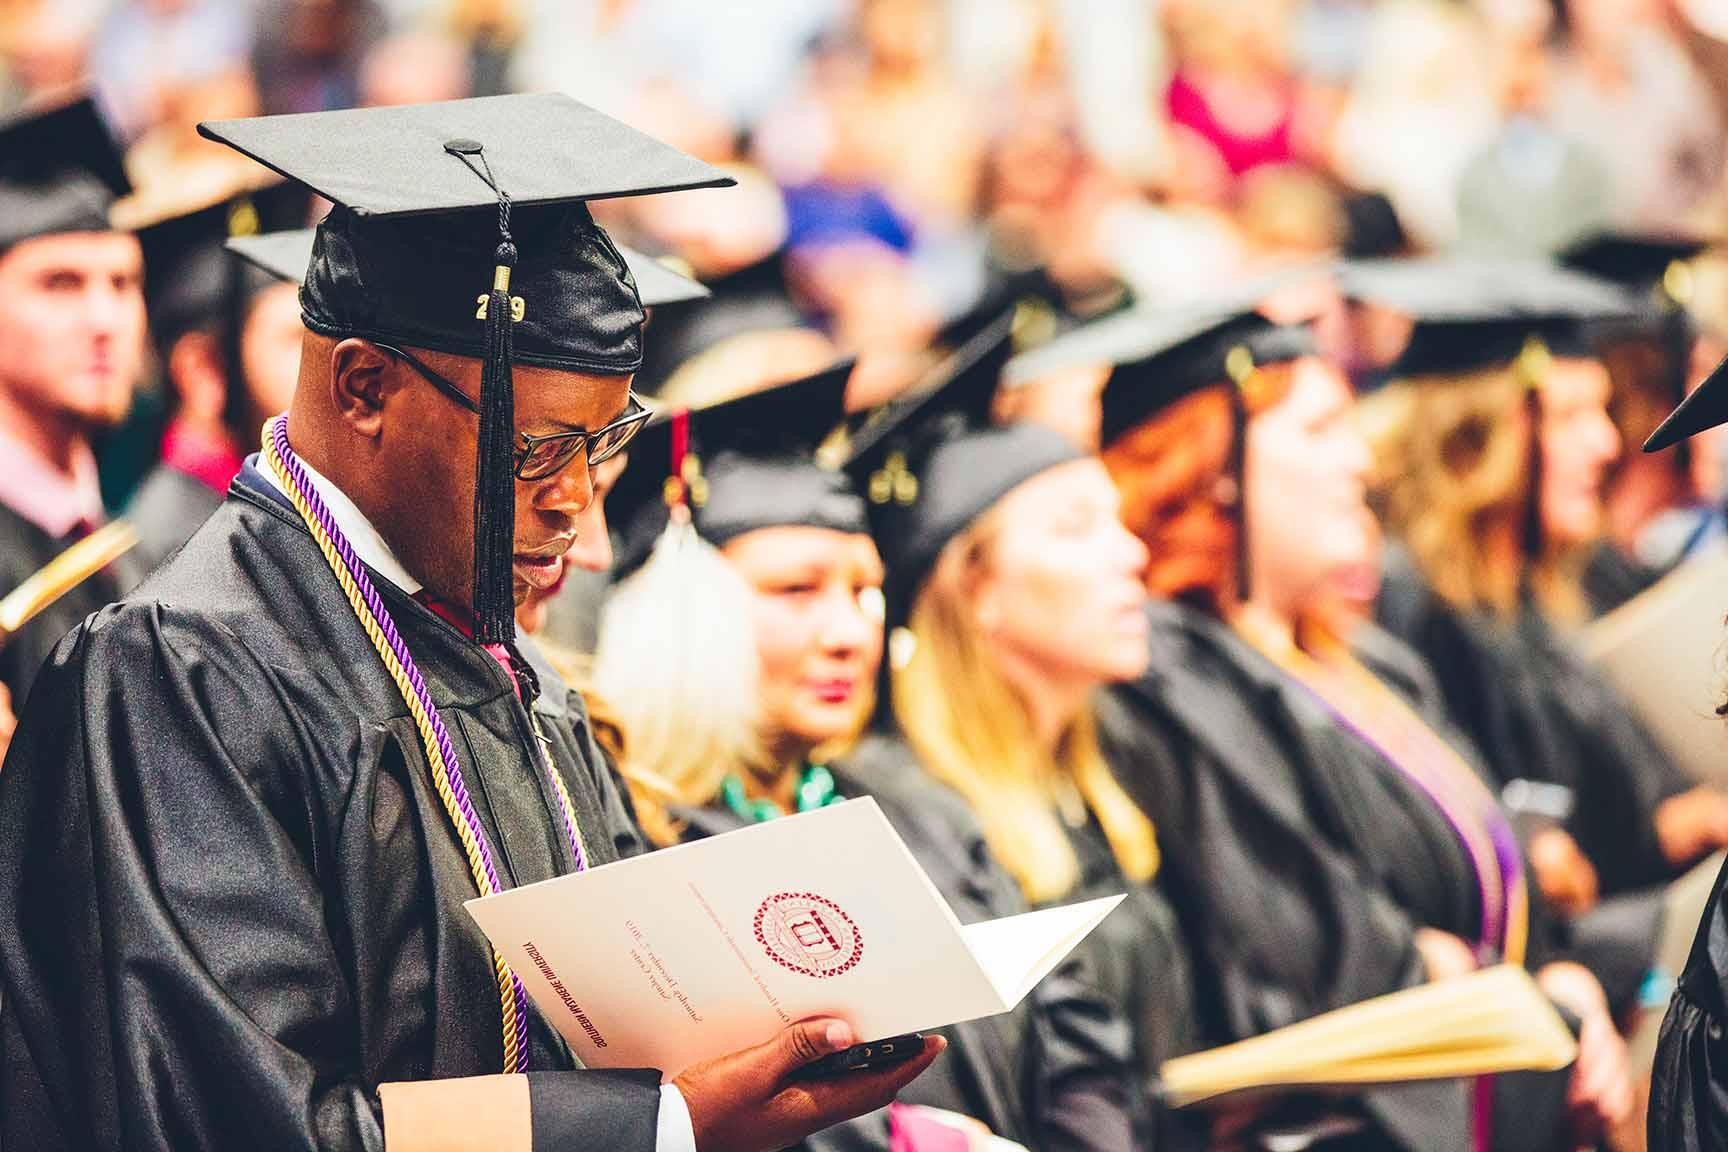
(745,700)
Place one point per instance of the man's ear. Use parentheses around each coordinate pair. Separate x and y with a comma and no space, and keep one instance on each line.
(360,384)
(194,369)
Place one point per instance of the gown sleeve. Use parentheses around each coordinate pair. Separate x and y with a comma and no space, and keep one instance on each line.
(1689,1087)
(170,975)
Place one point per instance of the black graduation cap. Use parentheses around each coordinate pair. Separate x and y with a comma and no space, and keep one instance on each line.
(190,282)
(1655,266)
(1474,315)
(1470,315)
(287,254)
(1159,357)
(930,463)
(760,460)
(462,227)
(60,171)
(1639,260)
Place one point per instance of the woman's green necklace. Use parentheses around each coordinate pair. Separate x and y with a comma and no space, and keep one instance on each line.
(815,790)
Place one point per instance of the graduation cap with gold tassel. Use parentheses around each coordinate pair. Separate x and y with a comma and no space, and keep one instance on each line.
(462,227)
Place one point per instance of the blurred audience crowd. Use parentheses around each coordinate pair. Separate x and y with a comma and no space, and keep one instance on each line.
(899,157)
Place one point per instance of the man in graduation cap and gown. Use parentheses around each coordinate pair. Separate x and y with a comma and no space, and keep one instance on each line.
(237,833)
(71,346)
(227,335)
(1689,1088)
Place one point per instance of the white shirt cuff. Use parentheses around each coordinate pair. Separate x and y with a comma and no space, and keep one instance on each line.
(674,1132)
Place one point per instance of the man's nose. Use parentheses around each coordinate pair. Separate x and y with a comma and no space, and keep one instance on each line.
(570,491)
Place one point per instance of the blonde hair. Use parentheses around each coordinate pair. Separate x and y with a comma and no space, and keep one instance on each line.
(649,792)
(677,663)
(1453,482)
(969,727)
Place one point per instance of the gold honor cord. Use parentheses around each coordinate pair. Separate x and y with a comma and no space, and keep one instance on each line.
(515,1031)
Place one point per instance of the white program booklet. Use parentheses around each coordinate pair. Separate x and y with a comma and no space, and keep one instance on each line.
(705,948)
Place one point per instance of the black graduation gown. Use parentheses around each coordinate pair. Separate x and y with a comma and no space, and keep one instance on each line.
(1611,577)
(1534,709)
(1055,1073)
(1689,1088)
(24,548)
(1142,965)
(1284,918)
(167,508)
(230,900)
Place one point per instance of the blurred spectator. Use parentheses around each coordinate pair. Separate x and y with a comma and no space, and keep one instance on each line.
(1624,88)
(44,46)
(1531,190)
(729,69)
(310,60)
(1047,203)
(150,51)
(415,68)
(1419,108)
(1233,99)
(492,30)
(1115,58)
(172,167)
(882,109)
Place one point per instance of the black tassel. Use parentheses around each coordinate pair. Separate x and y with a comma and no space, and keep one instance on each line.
(1239,477)
(495,482)
(1531,369)
(1532,539)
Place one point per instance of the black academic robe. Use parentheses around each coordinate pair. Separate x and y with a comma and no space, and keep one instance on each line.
(1535,710)
(1056,1072)
(1261,811)
(1689,1088)
(24,548)
(1612,576)
(167,508)
(230,900)
(1142,964)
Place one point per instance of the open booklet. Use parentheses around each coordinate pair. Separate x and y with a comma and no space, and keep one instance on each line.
(691,952)
(1664,651)
(1495,1020)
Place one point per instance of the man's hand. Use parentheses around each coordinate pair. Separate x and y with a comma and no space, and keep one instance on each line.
(1692,825)
(1563,873)
(751,1102)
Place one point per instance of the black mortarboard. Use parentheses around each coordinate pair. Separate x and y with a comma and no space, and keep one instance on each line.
(754,461)
(1159,357)
(287,254)
(189,281)
(1472,315)
(1638,260)
(1657,269)
(931,463)
(60,171)
(462,227)
(755,298)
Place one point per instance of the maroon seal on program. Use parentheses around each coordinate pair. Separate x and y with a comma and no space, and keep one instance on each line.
(809,934)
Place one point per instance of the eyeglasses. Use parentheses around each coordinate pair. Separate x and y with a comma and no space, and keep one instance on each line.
(538,457)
